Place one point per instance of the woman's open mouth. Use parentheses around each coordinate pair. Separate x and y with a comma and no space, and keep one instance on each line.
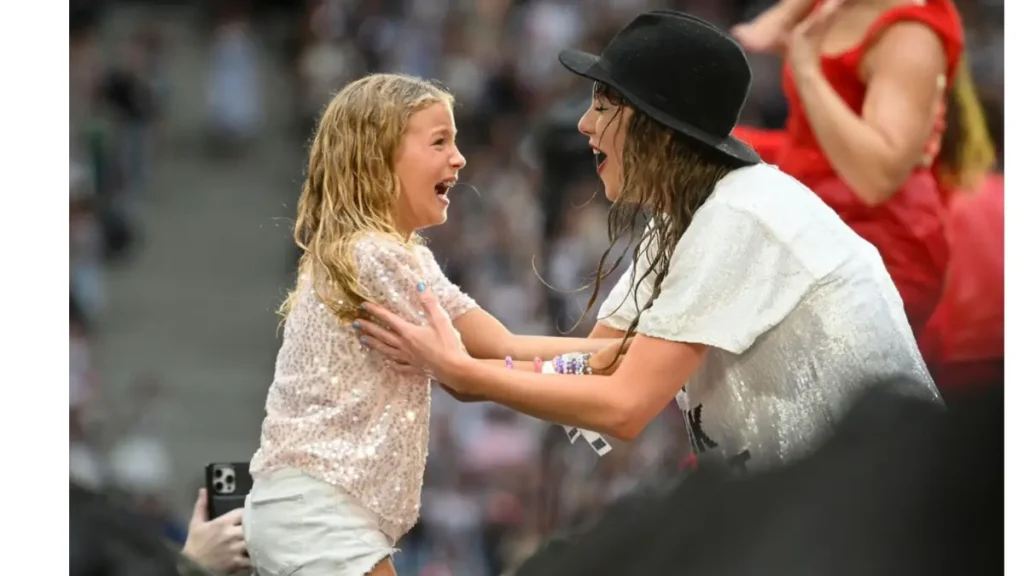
(599,159)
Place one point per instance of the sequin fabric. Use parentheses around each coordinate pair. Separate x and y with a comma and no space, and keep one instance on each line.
(338,412)
(799,313)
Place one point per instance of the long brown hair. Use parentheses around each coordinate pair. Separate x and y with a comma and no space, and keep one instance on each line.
(351,188)
(666,178)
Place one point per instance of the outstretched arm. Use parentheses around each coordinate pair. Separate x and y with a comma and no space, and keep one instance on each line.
(483,335)
(487,338)
(620,404)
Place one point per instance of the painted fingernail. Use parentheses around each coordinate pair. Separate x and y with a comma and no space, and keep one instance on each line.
(420,286)
(357,325)
(363,341)
(362,306)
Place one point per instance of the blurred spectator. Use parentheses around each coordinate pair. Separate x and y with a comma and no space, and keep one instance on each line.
(86,245)
(234,88)
(141,468)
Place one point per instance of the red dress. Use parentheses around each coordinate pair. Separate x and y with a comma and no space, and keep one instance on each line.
(907,228)
(963,341)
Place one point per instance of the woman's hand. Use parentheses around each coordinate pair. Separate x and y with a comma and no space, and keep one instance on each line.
(803,48)
(433,348)
(606,361)
(766,33)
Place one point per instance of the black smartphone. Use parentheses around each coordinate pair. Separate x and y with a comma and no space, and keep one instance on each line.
(227,485)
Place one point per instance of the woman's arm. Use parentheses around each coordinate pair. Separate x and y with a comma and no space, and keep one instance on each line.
(466,398)
(620,405)
(486,338)
(604,362)
(606,332)
(876,151)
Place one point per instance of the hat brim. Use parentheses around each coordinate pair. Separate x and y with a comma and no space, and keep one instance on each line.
(590,66)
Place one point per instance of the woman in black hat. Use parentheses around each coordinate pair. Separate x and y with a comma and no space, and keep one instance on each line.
(750,301)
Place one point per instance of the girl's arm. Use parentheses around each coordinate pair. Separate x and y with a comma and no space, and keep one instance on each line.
(486,338)
(483,335)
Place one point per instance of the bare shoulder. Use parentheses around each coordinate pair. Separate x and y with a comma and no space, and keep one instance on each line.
(908,46)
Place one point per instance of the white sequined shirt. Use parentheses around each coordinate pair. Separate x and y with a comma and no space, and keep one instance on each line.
(337,412)
(799,313)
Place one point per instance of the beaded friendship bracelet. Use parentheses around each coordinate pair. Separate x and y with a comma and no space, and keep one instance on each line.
(579,364)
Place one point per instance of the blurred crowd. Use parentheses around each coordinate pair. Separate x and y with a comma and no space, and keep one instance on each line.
(525,233)
(116,101)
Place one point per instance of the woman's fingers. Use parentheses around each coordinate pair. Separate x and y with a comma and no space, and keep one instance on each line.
(389,345)
(370,330)
(389,352)
(408,369)
(388,318)
(822,18)
(430,306)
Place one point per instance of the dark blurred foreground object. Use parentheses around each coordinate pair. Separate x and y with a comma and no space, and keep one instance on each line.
(108,540)
(901,489)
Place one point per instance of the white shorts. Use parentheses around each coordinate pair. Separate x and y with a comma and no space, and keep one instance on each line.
(296,524)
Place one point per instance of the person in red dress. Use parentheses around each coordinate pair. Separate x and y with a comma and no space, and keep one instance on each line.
(963,342)
(866,81)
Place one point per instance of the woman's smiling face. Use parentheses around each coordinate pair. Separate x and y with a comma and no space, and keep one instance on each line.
(605,125)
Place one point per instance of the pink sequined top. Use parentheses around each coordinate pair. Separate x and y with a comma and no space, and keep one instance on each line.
(337,412)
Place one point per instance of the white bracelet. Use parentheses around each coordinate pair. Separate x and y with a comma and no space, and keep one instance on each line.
(599,444)
(548,367)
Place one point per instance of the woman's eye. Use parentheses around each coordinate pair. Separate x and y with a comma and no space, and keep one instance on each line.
(600,108)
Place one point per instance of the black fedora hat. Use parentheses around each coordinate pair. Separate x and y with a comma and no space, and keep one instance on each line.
(681,71)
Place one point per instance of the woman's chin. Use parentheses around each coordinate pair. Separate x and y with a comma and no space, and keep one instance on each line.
(612,194)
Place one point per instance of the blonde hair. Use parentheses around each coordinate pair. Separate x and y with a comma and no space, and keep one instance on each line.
(967,153)
(351,187)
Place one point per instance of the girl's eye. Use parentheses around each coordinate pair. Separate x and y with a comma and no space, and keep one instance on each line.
(600,108)
(439,142)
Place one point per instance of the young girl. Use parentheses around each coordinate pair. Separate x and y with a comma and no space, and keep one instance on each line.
(344,443)
(751,301)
